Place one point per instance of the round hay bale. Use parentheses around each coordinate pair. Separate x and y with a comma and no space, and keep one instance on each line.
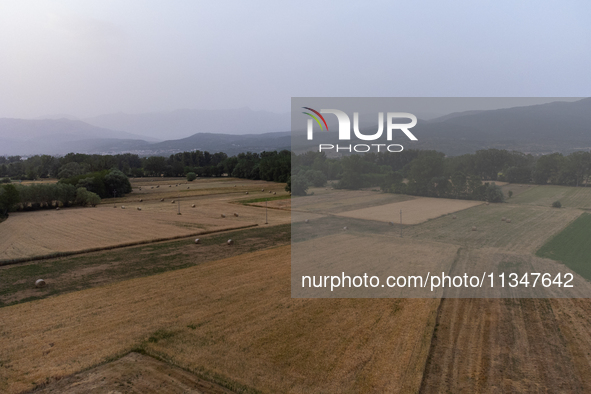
(262,190)
(223,215)
(454,217)
(193,206)
(487,203)
(151,187)
(114,206)
(246,193)
(234,185)
(122,206)
(157,186)
(188,187)
(161,199)
(169,185)
(391,223)
(235,214)
(139,209)
(503,219)
(57,208)
(269,191)
(141,200)
(230,242)
(40,283)
(473,228)
(307,221)
(172,202)
(508,221)
(197,241)
(345,228)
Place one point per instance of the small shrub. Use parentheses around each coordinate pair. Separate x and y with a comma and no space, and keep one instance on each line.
(84,197)
(556,204)
(191,176)
(298,185)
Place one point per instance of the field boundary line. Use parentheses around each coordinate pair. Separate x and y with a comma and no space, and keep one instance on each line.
(117,246)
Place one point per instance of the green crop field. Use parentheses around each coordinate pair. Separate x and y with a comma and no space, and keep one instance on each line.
(572,247)
(571,197)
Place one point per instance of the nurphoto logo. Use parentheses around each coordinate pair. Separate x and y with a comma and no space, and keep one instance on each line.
(345,130)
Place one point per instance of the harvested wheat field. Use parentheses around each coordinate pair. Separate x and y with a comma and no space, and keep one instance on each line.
(134,373)
(529,229)
(154,189)
(229,321)
(505,345)
(336,201)
(357,253)
(415,211)
(569,196)
(29,234)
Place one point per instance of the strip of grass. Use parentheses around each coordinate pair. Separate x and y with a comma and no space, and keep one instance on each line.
(80,272)
(571,246)
(264,199)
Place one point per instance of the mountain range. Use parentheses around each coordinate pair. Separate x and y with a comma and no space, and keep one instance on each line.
(554,127)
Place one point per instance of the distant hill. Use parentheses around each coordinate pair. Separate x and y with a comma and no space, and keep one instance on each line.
(539,129)
(555,127)
(228,143)
(21,130)
(185,122)
(54,136)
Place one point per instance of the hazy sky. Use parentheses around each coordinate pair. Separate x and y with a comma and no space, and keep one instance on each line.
(87,58)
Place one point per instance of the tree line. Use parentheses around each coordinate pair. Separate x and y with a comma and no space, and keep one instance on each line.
(270,166)
(431,173)
(416,172)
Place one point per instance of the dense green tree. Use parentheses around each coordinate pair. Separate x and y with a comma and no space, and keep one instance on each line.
(298,185)
(9,197)
(117,183)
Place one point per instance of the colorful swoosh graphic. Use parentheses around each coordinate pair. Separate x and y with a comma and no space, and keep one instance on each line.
(315,118)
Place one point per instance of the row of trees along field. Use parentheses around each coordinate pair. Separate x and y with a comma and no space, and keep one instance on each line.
(84,179)
(85,189)
(431,173)
(43,195)
(270,166)
(425,173)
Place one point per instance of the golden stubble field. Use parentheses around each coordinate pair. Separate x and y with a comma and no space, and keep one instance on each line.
(232,318)
(415,211)
(38,233)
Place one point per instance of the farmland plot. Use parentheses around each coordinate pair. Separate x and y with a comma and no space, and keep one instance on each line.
(530,226)
(230,319)
(336,201)
(500,345)
(29,234)
(417,210)
(570,197)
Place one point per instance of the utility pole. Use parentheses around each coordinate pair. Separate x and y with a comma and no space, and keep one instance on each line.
(179,205)
(401,223)
(266,202)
